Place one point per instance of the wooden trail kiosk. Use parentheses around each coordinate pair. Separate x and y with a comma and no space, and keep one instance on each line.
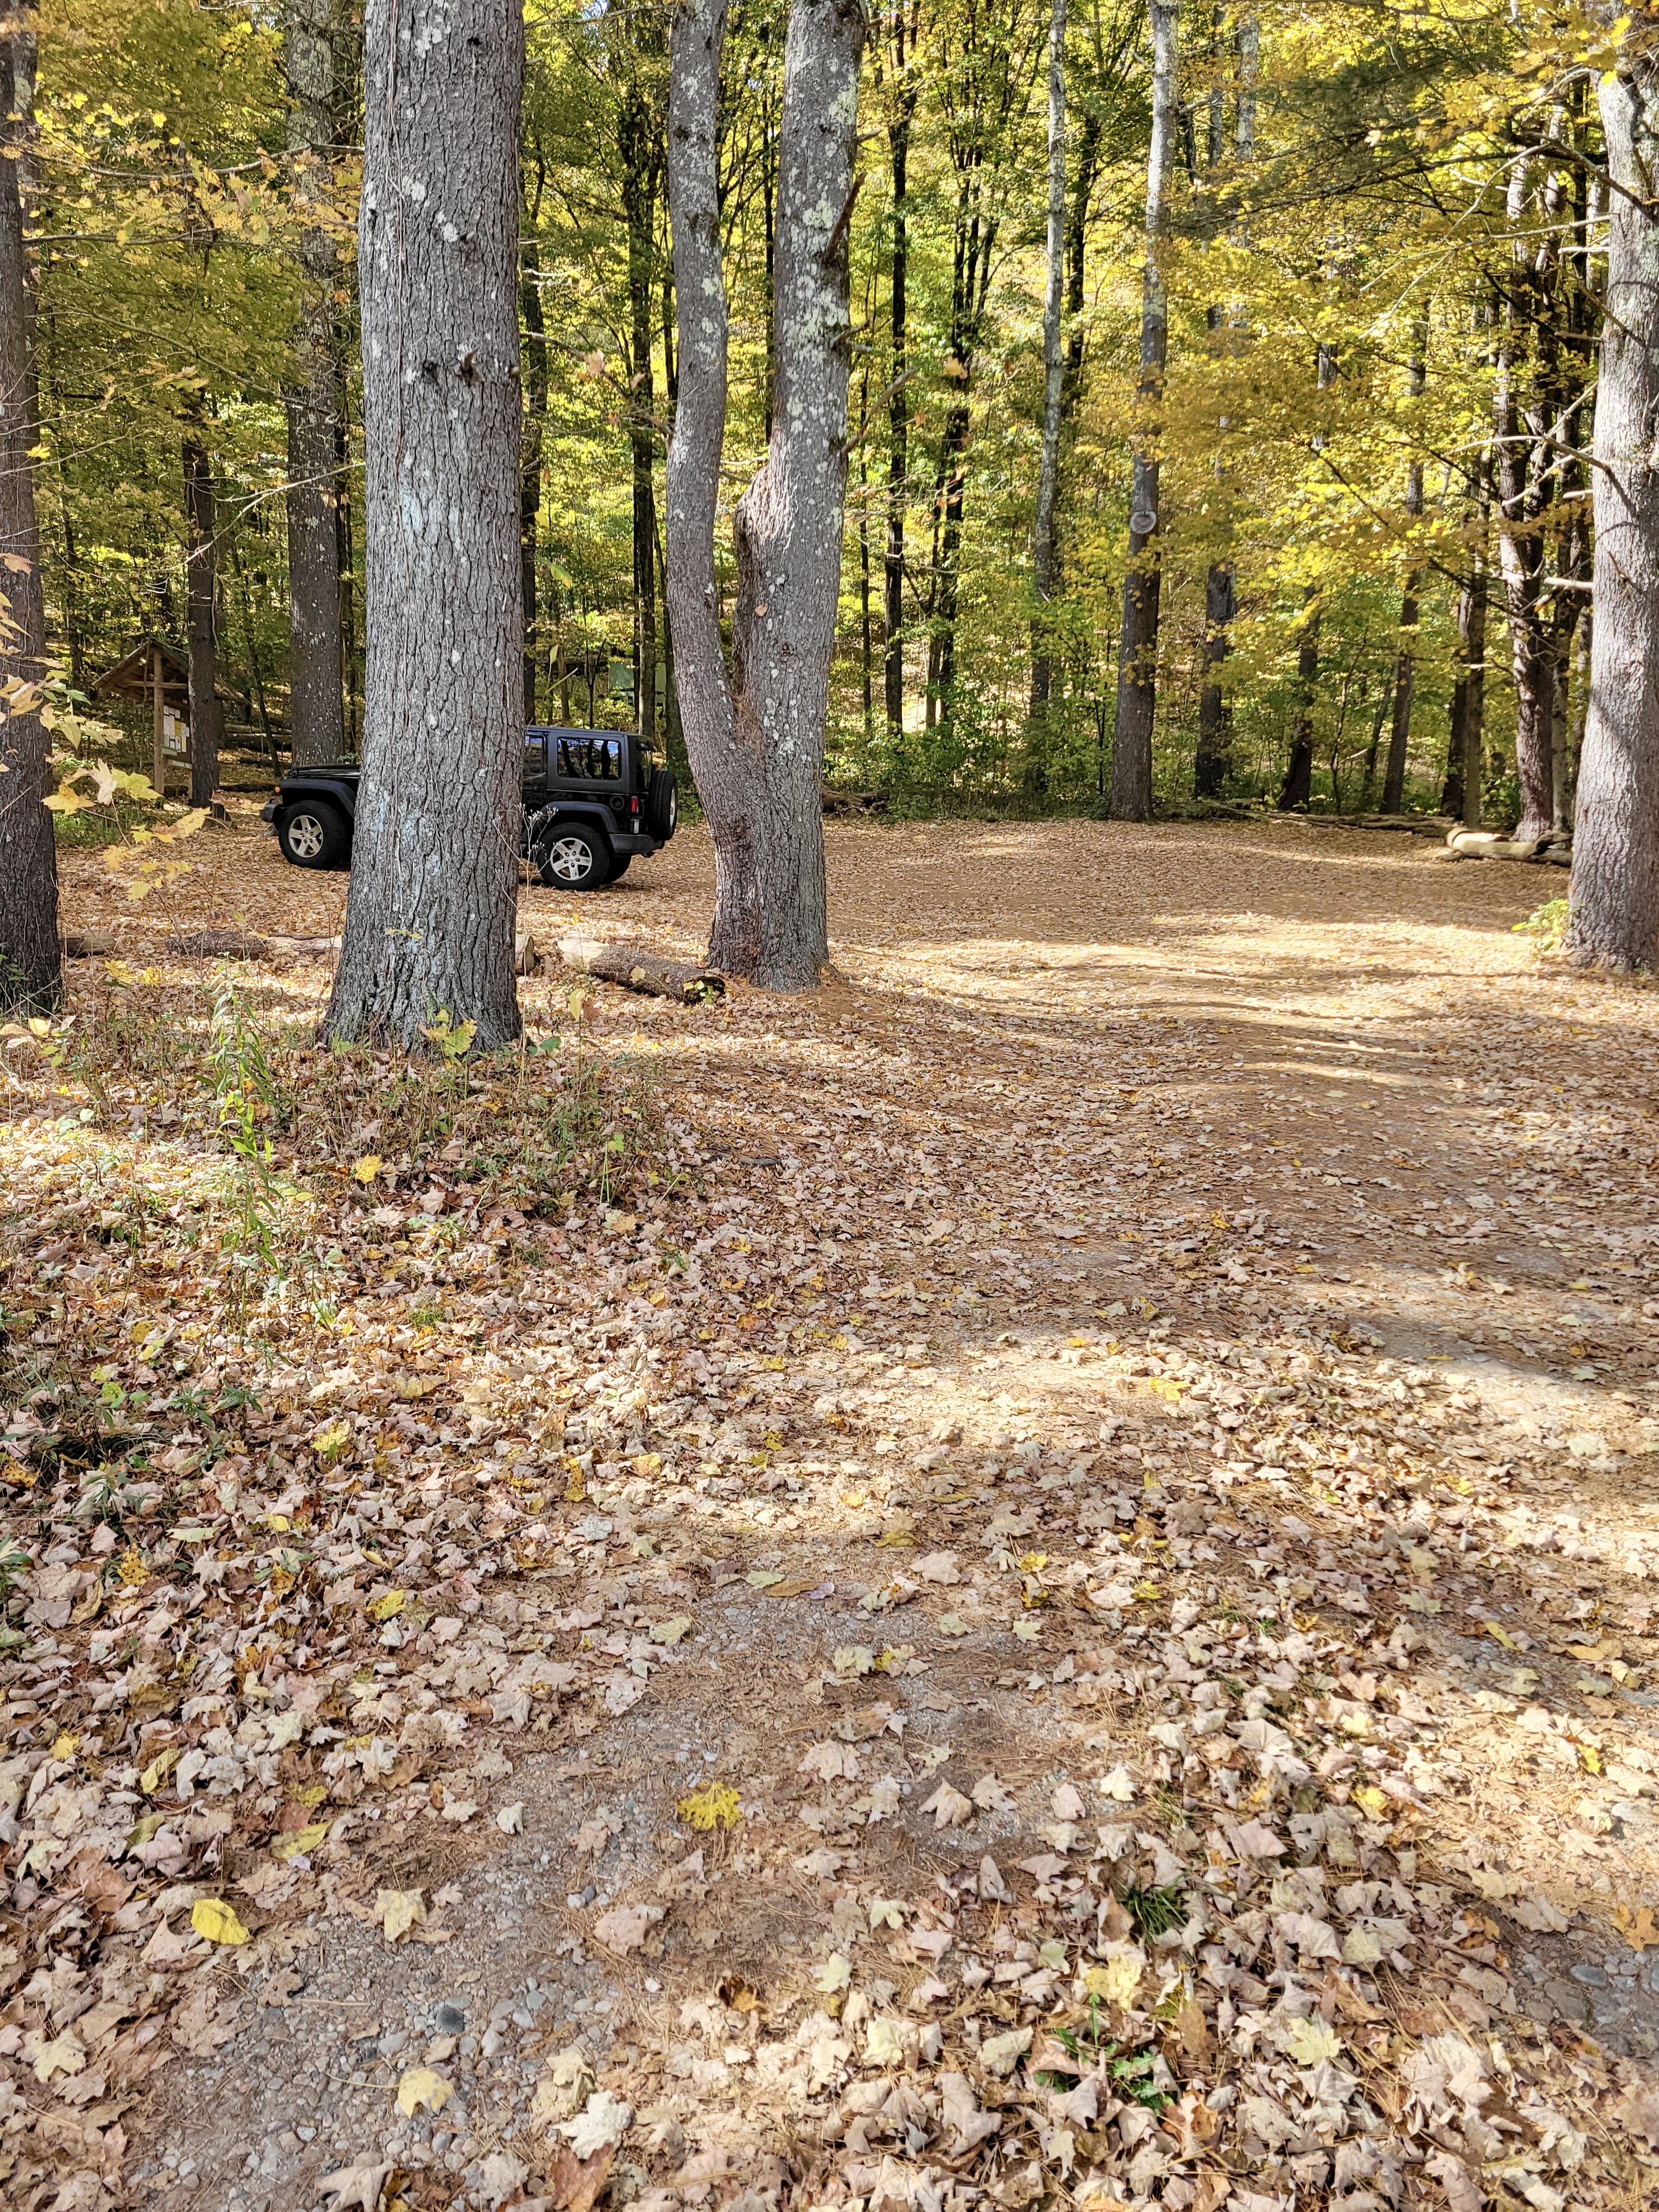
(157,674)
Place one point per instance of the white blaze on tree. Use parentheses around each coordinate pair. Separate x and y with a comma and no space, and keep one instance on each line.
(430,920)
(1615,868)
(755,735)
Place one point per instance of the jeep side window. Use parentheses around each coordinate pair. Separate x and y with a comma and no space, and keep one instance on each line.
(590,758)
(535,752)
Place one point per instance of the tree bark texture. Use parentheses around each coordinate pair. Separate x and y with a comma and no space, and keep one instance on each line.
(31,969)
(639,136)
(530,468)
(316,661)
(201,623)
(901,47)
(1615,869)
(1215,714)
(1405,666)
(756,740)
(1053,371)
(1298,787)
(1137,671)
(430,915)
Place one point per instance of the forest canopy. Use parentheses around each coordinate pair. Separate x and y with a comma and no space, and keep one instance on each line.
(1379,251)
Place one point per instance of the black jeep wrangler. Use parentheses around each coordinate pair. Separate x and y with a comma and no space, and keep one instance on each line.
(591,800)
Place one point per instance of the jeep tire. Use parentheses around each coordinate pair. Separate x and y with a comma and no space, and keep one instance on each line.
(570,857)
(661,811)
(313,835)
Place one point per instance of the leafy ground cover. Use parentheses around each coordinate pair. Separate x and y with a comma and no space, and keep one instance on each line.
(1028,1582)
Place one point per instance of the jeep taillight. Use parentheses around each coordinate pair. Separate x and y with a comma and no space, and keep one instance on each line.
(634,805)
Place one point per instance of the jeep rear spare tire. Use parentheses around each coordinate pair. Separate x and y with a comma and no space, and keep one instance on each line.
(661,811)
(313,835)
(570,857)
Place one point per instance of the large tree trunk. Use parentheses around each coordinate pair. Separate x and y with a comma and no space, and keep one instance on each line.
(756,743)
(201,576)
(640,146)
(1615,870)
(1137,671)
(530,467)
(316,663)
(902,42)
(1053,371)
(1462,794)
(31,971)
(430,920)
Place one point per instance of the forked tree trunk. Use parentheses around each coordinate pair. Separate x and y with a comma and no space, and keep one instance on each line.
(1054,370)
(1137,670)
(756,740)
(1615,870)
(316,663)
(202,622)
(430,920)
(31,971)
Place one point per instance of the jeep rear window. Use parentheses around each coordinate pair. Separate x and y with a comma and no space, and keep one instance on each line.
(535,752)
(588,757)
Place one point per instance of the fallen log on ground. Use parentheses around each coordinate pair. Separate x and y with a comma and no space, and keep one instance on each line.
(1489,845)
(636,967)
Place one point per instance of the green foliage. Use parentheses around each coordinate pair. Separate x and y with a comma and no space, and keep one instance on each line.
(1546,925)
(1373,208)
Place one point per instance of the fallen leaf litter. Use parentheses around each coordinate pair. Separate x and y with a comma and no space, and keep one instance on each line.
(1060,1608)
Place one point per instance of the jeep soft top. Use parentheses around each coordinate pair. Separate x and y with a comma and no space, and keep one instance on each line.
(593,799)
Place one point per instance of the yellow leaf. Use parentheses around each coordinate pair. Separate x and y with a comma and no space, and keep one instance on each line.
(298,1841)
(368,1168)
(1371,1800)
(1116,1982)
(1502,1635)
(716,1805)
(66,1746)
(158,1771)
(1636,1928)
(212,1917)
(132,1569)
(398,1910)
(421,2086)
(389,1606)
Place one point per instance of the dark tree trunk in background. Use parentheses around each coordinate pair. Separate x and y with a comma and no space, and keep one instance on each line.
(31,971)
(1137,670)
(316,661)
(202,622)
(1053,371)
(1615,868)
(902,49)
(1298,787)
(755,742)
(430,914)
(1463,794)
(1215,714)
(530,468)
(1405,666)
